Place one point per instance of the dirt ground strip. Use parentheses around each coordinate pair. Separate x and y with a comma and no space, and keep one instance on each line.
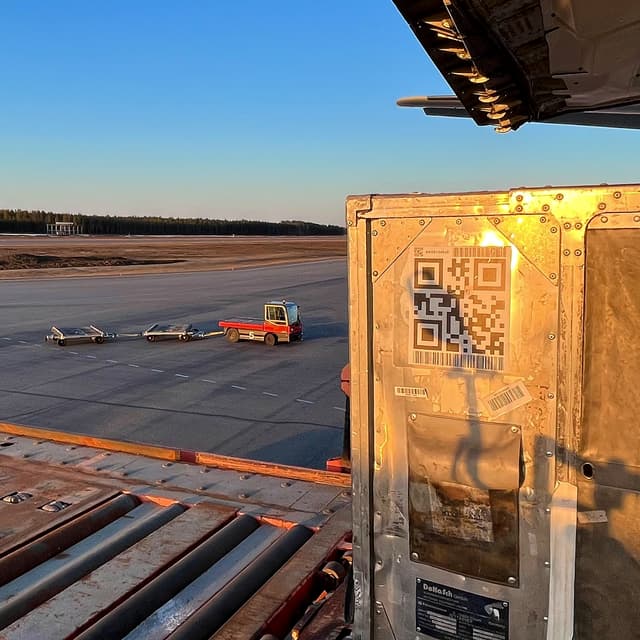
(41,256)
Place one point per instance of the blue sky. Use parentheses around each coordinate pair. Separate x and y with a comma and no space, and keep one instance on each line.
(249,109)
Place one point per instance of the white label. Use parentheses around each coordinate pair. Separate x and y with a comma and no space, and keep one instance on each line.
(592,517)
(507,399)
(412,392)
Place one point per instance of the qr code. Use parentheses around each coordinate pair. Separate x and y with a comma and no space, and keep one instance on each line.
(461,307)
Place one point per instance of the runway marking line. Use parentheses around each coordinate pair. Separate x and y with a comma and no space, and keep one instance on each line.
(135,366)
(92,357)
(23,342)
(75,353)
(180,375)
(209,381)
(7,338)
(340,409)
(266,393)
(304,401)
(112,361)
(235,386)
(158,370)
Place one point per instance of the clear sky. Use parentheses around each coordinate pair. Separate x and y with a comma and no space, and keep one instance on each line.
(253,109)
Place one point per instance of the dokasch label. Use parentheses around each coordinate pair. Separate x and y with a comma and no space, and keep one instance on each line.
(445,613)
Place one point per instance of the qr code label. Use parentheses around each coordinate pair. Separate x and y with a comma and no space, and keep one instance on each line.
(461,307)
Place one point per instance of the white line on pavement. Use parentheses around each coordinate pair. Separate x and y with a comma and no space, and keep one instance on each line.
(339,409)
(266,393)
(180,375)
(209,381)
(304,401)
(235,386)
(158,370)
(92,357)
(136,366)
(112,361)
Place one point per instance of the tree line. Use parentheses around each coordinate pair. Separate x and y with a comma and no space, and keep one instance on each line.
(18,221)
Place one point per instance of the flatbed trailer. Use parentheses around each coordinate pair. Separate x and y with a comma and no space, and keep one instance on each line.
(184,332)
(107,539)
(65,335)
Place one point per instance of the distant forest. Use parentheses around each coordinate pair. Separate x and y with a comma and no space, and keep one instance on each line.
(17,221)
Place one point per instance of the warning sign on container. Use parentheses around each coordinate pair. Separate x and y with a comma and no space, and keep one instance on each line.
(444,613)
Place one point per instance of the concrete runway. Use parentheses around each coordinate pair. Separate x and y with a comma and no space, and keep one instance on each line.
(280,404)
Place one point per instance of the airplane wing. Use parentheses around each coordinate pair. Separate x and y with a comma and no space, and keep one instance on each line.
(515,61)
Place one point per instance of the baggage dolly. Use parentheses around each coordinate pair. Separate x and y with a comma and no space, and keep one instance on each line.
(184,332)
(66,335)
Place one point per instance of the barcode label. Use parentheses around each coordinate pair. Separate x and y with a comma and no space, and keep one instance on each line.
(507,398)
(412,392)
(480,252)
(457,360)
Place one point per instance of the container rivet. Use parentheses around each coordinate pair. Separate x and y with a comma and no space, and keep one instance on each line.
(422,223)
(547,563)
(602,206)
(636,218)
(374,232)
(617,194)
(413,416)
(604,219)
(552,276)
(375,273)
(567,225)
(511,580)
(519,197)
(415,556)
(551,396)
(514,429)
(549,454)
(545,207)
(554,229)
(578,225)
(458,221)
(383,223)
(566,252)
(578,252)
(543,219)
(552,336)
(559,196)
(519,208)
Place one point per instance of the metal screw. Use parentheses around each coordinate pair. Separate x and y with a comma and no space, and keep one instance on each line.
(374,233)
(543,219)
(617,194)
(413,416)
(519,209)
(552,336)
(519,198)
(554,229)
(166,464)
(549,454)
(418,580)
(559,196)
(578,225)
(350,223)
(245,476)
(547,563)
(550,396)
(345,494)
(422,223)
(602,206)
(566,252)
(418,629)
(496,221)
(604,219)
(567,225)
(514,429)
(545,207)
(578,252)
(458,221)
(545,618)
(415,556)
(552,276)
(636,218)
(285,484)
(204,470)
(375,273)
(383,223)
(547,510)
(511,580)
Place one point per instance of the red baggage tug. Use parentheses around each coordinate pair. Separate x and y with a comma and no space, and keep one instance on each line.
(281,323)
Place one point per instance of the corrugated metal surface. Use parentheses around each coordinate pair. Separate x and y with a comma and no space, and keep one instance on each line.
(95,544)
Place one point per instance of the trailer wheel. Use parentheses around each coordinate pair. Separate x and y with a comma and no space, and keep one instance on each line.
(62,342)
(233,335)
(151,338)
(270,340)
(98,339)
